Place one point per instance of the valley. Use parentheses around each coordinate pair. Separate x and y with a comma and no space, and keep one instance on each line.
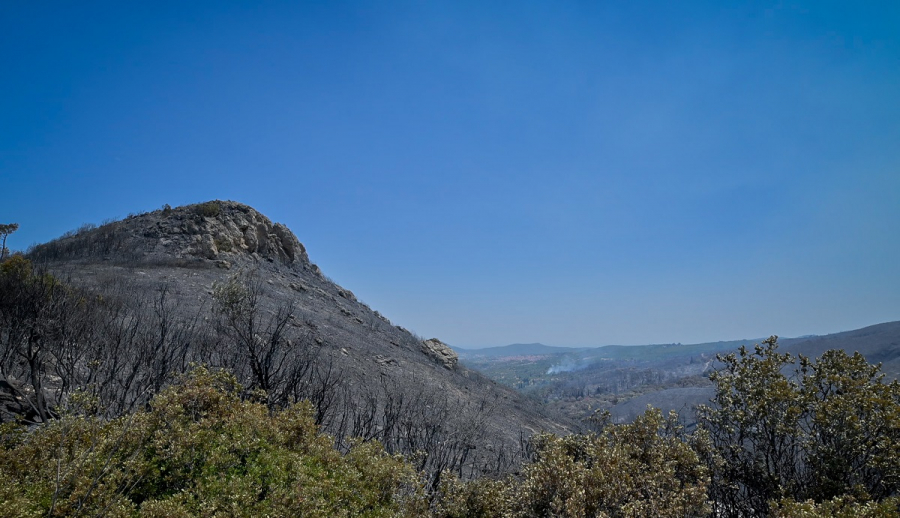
(625,380)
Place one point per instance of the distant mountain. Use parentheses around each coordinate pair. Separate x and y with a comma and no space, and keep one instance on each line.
(661,351)
(607,352)
(534,349)
(879,343)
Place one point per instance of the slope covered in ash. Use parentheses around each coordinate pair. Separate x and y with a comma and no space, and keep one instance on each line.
(219,283)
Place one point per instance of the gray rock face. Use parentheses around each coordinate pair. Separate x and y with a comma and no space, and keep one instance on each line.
(215,231)
(249,241)
(207,247)
(440,352)
(233,229)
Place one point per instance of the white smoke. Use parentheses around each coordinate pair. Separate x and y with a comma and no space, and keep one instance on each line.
(568,364)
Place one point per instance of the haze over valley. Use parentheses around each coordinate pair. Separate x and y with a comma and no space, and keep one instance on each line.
(624,380)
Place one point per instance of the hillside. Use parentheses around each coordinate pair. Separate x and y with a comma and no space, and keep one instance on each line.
(626,379)
(879,343)
(219,283)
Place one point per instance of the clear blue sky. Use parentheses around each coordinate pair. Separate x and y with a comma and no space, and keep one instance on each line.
(574,173)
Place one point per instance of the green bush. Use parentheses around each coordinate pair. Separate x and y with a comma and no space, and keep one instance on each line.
(829,430)
(839,507)
(634,470)
(480,498)
(639,469)
(209,209)
(200,451)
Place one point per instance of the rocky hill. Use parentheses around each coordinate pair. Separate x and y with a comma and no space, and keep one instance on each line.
(221,284)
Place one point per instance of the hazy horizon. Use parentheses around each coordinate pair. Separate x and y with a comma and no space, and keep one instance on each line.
(614,173)
(750,341)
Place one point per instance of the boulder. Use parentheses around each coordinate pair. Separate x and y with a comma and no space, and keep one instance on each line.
(440,352)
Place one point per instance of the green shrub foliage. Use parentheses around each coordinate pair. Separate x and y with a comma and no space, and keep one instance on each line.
(199,450)
(838,507)
(209,209)
(638,469)
(633,470)
(795,430)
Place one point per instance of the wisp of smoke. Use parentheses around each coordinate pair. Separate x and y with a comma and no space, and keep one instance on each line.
(566,365)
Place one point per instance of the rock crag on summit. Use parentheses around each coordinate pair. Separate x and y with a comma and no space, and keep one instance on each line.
(222,231)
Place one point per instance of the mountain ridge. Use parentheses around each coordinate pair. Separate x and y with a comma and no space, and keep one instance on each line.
(514,350)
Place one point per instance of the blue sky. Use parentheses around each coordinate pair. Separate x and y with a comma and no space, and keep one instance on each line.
(574,173)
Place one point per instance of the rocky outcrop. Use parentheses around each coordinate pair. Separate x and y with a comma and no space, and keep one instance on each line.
(219,231)
(440,352)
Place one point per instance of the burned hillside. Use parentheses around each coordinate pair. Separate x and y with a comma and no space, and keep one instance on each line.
(107,316)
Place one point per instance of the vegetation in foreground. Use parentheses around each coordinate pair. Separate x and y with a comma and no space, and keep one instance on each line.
(202,450)
(785,436)
(199,450)
(205,447)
